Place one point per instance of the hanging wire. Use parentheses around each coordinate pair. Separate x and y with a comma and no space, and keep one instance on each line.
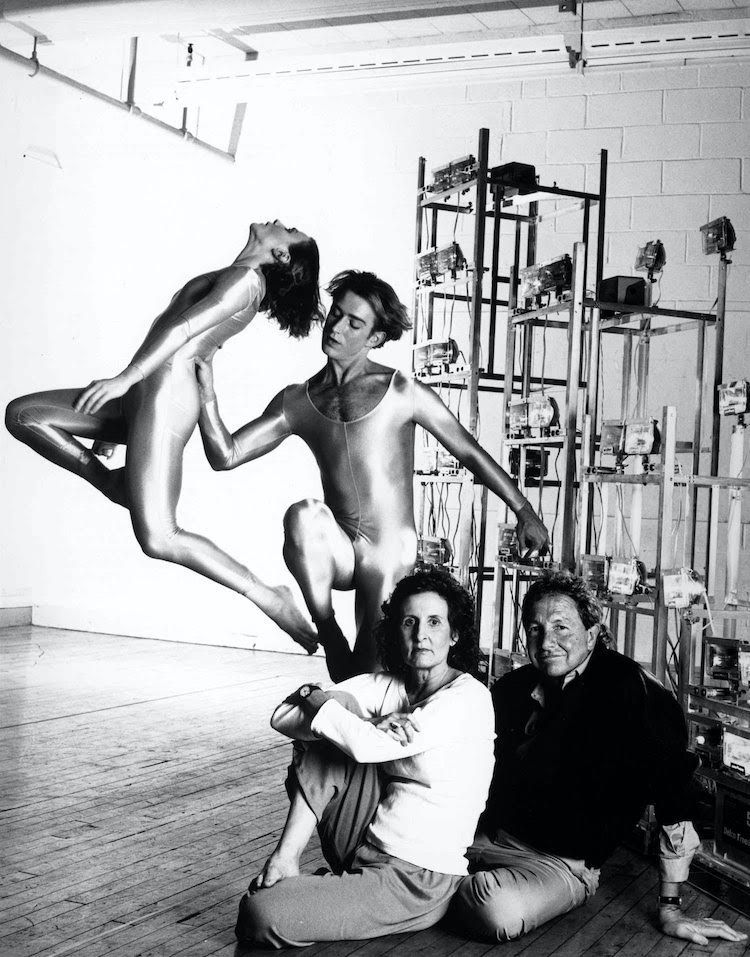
(620,508)
(658,286)
(676,525)
(634,374)
(454,534)
(544,352)
(710,622)
(673,657)
(557,502)
(602,518)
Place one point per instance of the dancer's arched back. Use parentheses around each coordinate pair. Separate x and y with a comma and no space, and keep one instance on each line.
(152,406)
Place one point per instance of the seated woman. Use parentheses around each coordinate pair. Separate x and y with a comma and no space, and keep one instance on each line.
(395,781)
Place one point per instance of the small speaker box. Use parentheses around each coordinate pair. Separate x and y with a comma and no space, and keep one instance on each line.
(629,290)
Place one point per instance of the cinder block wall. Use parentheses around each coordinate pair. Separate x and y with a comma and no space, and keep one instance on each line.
(678,141)
(340,160)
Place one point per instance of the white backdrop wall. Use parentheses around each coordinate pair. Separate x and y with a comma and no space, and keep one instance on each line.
(97,247)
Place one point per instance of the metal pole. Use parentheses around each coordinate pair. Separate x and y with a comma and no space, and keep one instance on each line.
(713,502)
(691,526)
(417,248)
(132,67)
(35,69)
(575,324)
(663,539)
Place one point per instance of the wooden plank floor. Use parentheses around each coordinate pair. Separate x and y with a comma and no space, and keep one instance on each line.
(141,787)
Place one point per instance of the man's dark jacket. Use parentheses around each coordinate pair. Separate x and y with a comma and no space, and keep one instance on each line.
(577,780)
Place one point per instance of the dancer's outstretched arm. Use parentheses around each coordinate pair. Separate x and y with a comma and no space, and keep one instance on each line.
(227,451)
(432,414)
(202,303)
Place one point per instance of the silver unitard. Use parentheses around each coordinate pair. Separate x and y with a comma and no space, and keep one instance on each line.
(366,467)
(154,419)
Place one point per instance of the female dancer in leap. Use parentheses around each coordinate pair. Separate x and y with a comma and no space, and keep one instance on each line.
(152,406)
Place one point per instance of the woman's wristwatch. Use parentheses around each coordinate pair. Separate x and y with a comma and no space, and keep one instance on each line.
(306,690)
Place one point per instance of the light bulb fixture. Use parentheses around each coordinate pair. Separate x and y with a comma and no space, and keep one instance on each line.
(651,258)
(718,236)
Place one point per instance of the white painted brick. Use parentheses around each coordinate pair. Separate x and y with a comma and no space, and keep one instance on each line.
(738,284)
(694,253)
(444,133)
(550,244)
(736,207)
(686,282)
(619,215)
(565,113)
(534,87)
(689,305)
(736,347)
(494,115)
(725,139)
(582,146)
(593,177)
(701,106)
(701,176)
(586,83)
(438,152)
(625,109)
(564,242)
(371,100)
(661,78)
(565,175)
(432,95)
(653,213)
(524,148)
(634,179)
(679,141)
(493,91)
(622,249)
(725,74)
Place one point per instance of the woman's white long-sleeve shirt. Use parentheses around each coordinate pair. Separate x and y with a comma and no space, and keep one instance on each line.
(437,784)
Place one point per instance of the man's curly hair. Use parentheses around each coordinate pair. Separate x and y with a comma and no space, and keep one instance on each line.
(464,655)
(578,591)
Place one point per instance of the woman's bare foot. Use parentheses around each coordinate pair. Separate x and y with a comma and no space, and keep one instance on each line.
(279,604)
(276,868)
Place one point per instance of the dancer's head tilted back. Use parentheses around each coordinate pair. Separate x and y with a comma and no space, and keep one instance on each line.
(290,263)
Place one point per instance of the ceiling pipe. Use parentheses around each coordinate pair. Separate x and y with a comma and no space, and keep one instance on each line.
(32,67)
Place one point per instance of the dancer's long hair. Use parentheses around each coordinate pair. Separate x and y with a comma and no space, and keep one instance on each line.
(292,294)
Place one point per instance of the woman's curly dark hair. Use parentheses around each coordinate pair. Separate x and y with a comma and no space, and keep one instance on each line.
(578,591)
(292,293)
(464,655)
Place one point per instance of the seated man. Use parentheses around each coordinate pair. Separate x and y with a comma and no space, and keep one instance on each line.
(585,741)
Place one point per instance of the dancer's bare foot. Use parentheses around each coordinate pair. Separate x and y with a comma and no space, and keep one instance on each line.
(116,487)
(276,868)
(279,604)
